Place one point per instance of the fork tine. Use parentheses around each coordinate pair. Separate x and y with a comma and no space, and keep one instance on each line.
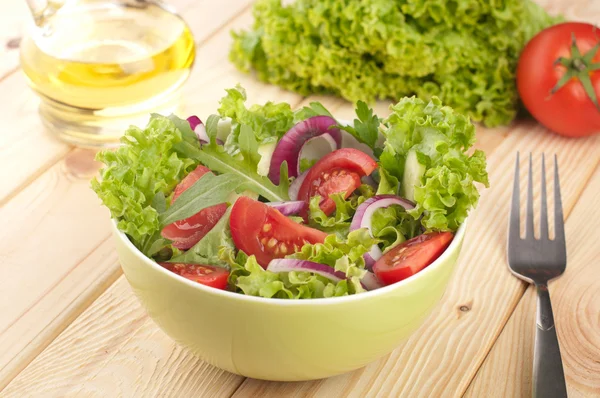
(529,221)
(559,226)
(514,229)
(544,208)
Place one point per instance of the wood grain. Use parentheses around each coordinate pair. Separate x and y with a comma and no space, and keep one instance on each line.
(91,361)
(482,291)
(507,369)
(14,17)
(52,261)
(61,238)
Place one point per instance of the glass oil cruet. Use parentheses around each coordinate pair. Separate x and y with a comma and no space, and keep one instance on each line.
(99,66)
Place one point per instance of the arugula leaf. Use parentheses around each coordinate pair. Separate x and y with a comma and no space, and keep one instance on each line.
(183,126)
(248,146)
(366,127)
(212,128)
(314,109)
(155,244)
(207,250)
(208,191)
(217,159)
(159,202)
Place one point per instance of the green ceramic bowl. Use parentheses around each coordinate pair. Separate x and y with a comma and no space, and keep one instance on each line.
(285,340)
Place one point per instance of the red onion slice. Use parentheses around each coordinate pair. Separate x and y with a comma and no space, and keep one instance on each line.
(194,121)
(288,265)
(370,281)
(364,214)
(295,186)
(290,146)
(200,130)
(288,208)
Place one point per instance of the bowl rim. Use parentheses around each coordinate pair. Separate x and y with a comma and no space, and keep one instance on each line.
(454,246)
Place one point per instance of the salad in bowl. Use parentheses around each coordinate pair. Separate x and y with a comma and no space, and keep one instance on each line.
(265,201)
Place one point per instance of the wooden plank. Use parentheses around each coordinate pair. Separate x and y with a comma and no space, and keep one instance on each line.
(481,292)
(59,215)
(27,150)
(13,22)
(86,360)
(51,256)
(507,369)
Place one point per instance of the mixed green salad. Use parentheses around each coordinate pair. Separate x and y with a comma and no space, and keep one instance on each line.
(266,201)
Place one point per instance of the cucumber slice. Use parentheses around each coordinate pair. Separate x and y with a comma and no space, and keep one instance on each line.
(413,174)
(266,152)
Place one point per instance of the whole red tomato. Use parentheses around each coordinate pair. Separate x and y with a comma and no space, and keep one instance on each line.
(558,78)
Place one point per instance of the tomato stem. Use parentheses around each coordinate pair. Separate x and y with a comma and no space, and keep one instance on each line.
(579,67)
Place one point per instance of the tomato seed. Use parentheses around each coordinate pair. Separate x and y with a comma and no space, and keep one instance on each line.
(283,248)
(272,243)
(267,227)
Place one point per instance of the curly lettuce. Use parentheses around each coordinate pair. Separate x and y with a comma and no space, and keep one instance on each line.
(268,122)
(464,52)
(344,255)
(393,225)
(339,222)
(440,138)
(145,165)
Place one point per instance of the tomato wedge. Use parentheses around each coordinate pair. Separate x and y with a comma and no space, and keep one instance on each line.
(264,232)
(337,172)
(411,256)
(186,233)
(205,274)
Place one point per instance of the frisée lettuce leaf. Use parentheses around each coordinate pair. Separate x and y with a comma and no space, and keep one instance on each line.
(268,122)
(146,164)
(440,137)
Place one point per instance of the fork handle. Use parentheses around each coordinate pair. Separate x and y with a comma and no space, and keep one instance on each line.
(548,373)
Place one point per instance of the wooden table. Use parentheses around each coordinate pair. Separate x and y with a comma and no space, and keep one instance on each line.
(70,325)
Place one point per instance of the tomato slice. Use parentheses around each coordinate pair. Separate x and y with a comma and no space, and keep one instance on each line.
(337,172)
(264,232)
(411,256)
(186,233)
(205,274)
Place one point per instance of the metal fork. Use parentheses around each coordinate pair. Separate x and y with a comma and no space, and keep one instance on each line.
(538,261)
